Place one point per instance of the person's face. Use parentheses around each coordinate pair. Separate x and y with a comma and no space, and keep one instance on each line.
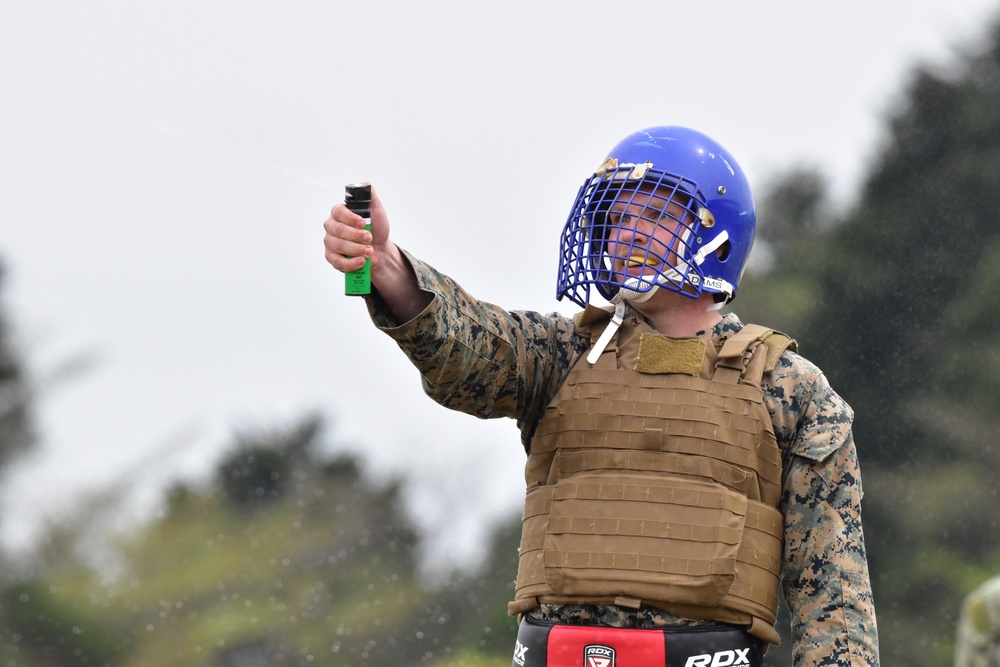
(646,231)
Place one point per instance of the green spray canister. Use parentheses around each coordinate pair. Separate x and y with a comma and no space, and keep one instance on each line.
(358,199)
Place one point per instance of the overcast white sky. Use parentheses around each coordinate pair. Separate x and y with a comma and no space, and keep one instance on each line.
(165,169)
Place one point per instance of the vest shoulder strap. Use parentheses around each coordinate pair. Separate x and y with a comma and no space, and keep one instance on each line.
(748,338)
(777,343)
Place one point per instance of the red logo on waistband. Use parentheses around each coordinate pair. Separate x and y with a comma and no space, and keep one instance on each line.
(597,655)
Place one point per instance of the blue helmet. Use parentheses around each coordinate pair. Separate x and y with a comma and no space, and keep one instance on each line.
(688,186)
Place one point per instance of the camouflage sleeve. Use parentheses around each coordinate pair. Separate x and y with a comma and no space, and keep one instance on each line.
(825,571)
(480,359)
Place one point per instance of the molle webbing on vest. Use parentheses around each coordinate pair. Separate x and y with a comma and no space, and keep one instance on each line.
(675,413)
(660,487)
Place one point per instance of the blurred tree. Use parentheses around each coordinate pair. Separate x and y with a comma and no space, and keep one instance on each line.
(16,430)
(264,466)
(917,249)
(322,563)
(795,217)
(483,631)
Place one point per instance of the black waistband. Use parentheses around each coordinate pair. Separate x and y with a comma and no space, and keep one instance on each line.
(543,644)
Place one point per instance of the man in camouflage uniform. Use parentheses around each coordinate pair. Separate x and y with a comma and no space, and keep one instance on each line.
(661,231)
(978,642)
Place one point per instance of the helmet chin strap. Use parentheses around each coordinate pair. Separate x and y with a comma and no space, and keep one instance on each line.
(626,293)
(609,331)
(629,293)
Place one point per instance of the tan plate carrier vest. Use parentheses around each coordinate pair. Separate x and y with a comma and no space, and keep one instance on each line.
(655,478)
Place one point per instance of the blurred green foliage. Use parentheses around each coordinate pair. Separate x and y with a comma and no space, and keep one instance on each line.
(289,557)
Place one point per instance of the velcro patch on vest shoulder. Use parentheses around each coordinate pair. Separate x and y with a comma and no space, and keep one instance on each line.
(776,344)
(663,355)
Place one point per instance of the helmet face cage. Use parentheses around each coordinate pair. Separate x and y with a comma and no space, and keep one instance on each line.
(637,231)
(636,226)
